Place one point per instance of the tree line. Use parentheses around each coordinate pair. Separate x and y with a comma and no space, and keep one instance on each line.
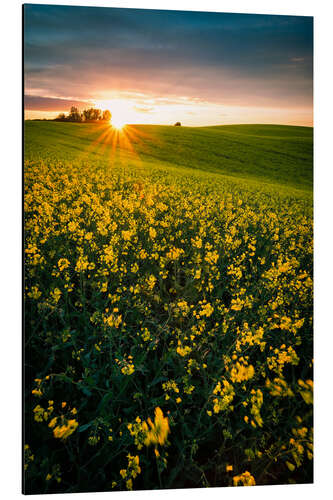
(87,115)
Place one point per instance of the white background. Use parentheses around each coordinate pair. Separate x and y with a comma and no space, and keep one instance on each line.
(10,245)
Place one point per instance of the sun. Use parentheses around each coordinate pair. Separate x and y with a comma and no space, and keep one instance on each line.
(120,109)
(118,123)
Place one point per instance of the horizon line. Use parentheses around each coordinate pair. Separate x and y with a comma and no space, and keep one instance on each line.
(168,124)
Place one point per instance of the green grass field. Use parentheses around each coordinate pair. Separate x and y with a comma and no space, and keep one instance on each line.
(270,153)
(168,306)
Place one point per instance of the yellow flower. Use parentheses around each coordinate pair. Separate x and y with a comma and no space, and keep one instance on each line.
(151,281)
(36,392)
(126,235)
(306,390)
(128,369)
(237,304)
(290,466)
(133,465)
(183,351)
(152,233)
(63,264)
(241,372)
(34,293)
(211,257)
(225,397)
(174,253)
(244,479)
(72,226)
(197,242)
(56,294)
(53,422)
(158,431)
(65,430)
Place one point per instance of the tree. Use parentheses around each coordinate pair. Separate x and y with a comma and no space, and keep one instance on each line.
(74,115)
(106,115)
(61,117)
(87,113)
(177,124)
(92,114)
(96,114)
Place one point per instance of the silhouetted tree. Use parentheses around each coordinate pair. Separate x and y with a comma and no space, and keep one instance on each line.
(74,115)
(177,124)
(92,114)
(106,115)
(87,113)
(97,113)
(61,118)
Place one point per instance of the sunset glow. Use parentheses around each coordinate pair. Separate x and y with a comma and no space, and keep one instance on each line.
(120,110)
(118,123)
(241,69)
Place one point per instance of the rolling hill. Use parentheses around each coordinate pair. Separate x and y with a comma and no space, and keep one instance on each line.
(268,153)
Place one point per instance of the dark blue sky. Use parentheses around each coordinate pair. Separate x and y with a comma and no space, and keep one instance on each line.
(85,53)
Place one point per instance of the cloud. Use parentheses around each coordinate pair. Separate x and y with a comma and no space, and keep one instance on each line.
(142,109)
(38,103)
(83,52)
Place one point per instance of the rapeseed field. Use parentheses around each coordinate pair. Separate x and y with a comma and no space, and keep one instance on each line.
(168,316)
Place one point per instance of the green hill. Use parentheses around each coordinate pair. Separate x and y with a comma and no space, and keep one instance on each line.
(270,153)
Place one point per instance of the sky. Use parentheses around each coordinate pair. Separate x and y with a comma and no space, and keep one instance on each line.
(153,66)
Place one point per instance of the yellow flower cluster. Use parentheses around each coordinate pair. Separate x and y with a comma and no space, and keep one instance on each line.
(183,350)
(279,387)
(225,393)
(55,474)
(136,430)
(28,456)
(245,479)
(241,371)
(127,366)
(150,432)
(301,442)
(156,431)
(62,428)
(306,390)
(256,401)
(283,355)
(41,414)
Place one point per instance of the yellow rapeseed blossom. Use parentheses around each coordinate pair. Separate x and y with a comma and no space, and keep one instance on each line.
(199,284)
(241,372)
(157,431)
(152,232)
(245,479)
(63,264)
(225,394)
(65,428)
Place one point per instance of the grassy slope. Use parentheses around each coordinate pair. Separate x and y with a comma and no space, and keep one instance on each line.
(269,153)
